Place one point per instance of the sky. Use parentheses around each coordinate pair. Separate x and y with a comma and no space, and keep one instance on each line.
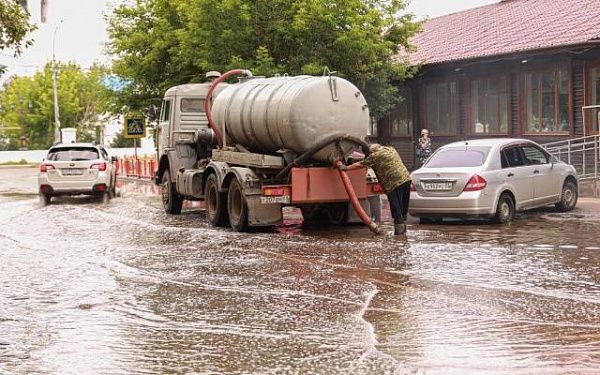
(78,29)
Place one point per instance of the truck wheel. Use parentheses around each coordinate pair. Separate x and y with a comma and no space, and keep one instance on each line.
(568,197)
(505,211)
(216,202)
(337,214)
(172,201)
(237,208)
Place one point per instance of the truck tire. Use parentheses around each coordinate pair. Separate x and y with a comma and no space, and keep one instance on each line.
(172,201)
(337,214)
(237,208)
(216,202)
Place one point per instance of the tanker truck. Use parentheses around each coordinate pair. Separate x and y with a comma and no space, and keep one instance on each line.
(250,148)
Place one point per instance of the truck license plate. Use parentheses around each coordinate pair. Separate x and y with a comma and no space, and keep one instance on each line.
(437,186)
(282,199)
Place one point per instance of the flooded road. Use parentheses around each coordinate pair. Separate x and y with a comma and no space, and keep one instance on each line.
(125,289)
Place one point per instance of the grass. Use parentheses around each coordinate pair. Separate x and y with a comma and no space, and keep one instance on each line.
(21,162)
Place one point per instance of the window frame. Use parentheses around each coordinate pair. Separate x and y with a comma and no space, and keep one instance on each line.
(162,110)
(407,96)
(469,100)
(523,95)
(531,145)
(588,93)
(455,128)
(181,109)
(503,155)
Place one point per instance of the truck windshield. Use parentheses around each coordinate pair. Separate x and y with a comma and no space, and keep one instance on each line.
(457,157)
(73,154)
(190,105)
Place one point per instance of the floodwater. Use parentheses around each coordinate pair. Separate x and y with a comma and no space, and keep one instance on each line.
(123,288)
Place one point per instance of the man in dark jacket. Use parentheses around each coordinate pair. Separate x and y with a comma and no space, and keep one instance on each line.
(393,177)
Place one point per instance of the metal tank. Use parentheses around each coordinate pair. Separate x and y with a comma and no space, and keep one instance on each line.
(270,114)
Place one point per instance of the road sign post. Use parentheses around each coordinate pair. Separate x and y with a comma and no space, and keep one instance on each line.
(135,128)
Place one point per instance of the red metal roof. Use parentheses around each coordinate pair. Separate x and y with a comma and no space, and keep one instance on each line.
(506,27)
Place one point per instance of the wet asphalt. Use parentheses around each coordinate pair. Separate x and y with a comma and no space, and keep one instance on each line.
(123,288)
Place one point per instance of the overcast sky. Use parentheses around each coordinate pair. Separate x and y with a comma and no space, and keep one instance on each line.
(82,33)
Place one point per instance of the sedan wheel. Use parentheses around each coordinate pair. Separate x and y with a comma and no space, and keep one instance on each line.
(505,211)
(568,197)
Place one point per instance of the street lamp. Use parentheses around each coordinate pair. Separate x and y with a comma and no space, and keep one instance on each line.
(57,137)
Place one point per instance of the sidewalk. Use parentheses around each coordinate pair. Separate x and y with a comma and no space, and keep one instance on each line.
(589,207)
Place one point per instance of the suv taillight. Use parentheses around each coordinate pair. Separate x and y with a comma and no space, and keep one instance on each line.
(46,167)
(476,183)
(100,166)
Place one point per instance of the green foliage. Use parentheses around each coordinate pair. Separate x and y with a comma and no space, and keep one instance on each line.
(121,141)
(161,43)
(14,26)
(28,104)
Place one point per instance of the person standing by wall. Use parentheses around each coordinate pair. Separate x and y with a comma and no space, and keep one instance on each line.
(393,177)
(424,146)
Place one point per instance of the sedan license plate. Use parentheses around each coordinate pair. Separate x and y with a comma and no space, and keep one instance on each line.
(437,186)
(72,172)
(282,199)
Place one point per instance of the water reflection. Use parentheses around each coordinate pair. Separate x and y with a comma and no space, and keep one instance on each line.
(124,288)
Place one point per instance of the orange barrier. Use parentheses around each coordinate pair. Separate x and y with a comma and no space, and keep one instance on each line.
(140,168)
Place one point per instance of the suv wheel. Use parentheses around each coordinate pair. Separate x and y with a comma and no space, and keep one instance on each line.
(45,199)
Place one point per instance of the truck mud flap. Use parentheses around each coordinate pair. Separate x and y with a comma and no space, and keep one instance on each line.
(263,215)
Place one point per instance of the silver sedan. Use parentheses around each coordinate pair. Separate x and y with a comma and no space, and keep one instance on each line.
(491,178)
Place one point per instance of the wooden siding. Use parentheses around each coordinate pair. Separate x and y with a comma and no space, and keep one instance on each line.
(578,95)
(515,106)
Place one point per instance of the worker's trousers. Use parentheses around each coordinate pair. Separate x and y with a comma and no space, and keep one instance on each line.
(399,199)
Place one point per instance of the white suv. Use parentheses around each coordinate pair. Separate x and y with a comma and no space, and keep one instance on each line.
(77,168)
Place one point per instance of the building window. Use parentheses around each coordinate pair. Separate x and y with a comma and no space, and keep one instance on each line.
(547,101)
(441,101)
(489,105)
(399,122)
(595,99)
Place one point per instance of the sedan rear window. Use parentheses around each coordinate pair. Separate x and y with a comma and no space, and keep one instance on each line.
(457,157)
(73,154)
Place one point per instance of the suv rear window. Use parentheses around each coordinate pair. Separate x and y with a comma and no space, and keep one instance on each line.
(457,157)
(73,154)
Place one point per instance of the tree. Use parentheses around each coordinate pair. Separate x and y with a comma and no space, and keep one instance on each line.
(161,43)
(121,141)
(14,26)
(28,109)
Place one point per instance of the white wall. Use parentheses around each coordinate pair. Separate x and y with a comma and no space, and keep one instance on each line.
(36,156)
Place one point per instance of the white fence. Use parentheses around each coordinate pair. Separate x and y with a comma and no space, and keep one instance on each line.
(36,156)
(583,153)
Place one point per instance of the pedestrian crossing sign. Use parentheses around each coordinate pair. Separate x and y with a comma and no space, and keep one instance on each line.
(135,127)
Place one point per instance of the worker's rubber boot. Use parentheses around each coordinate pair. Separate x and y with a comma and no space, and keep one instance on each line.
(399,229)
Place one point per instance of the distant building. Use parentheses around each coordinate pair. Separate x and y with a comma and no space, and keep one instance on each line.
(517,68)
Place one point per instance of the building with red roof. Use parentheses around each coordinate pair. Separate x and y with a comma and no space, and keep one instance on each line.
(517,68)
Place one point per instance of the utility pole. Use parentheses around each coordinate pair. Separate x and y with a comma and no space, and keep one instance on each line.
(57,135)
